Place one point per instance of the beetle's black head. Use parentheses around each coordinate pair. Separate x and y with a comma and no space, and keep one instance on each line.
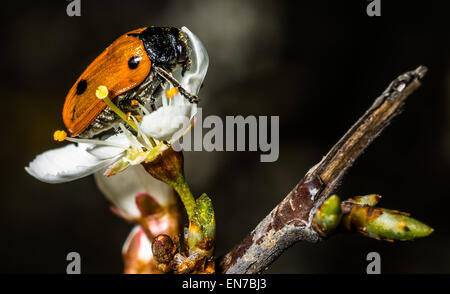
(165,46)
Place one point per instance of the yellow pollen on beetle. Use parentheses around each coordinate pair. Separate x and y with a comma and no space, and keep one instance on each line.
(59,135)
(171,92)
(101,92)
(134,102)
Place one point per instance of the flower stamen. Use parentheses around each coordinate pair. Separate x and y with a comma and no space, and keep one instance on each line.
(102,93)
(59,135)
(95,142)
(135,144)
(148,140)
(171,92)
(144,110)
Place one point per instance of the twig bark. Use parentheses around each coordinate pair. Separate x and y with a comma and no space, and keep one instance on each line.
(291,220)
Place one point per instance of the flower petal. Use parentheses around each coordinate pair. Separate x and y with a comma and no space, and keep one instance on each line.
(122,189)
(193,79)
(71,162)
(167,122)
(104,152)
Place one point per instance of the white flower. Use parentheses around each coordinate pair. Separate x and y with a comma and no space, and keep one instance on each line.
(113,155)
(124,149)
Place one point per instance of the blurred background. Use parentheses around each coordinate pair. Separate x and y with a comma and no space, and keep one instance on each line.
(316,66)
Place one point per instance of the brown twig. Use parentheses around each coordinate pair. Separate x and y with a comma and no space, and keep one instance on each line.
(291,220)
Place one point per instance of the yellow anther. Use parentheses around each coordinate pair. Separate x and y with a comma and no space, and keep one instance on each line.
(101,92)
(129,116)
(171,92)
(59,135)
(134,102)
(138,118)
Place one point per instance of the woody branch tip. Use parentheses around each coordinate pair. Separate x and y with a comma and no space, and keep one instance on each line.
(291,220)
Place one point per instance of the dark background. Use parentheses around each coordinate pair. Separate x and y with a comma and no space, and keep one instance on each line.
(317,66)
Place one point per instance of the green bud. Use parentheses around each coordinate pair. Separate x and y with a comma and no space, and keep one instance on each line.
(381,223)
(328,216)
(395,225)
(202,227)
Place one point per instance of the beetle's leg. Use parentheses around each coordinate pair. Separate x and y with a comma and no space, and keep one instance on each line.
(144,90)
(176,84)
(152,103)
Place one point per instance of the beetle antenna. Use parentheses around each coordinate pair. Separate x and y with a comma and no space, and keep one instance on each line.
(176,84)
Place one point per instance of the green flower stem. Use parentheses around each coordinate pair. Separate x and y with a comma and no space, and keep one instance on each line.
(186,196)
(166,165)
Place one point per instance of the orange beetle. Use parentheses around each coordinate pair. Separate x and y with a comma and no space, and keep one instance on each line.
(133,67)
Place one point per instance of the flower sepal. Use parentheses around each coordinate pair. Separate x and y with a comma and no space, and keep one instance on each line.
(166,164)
